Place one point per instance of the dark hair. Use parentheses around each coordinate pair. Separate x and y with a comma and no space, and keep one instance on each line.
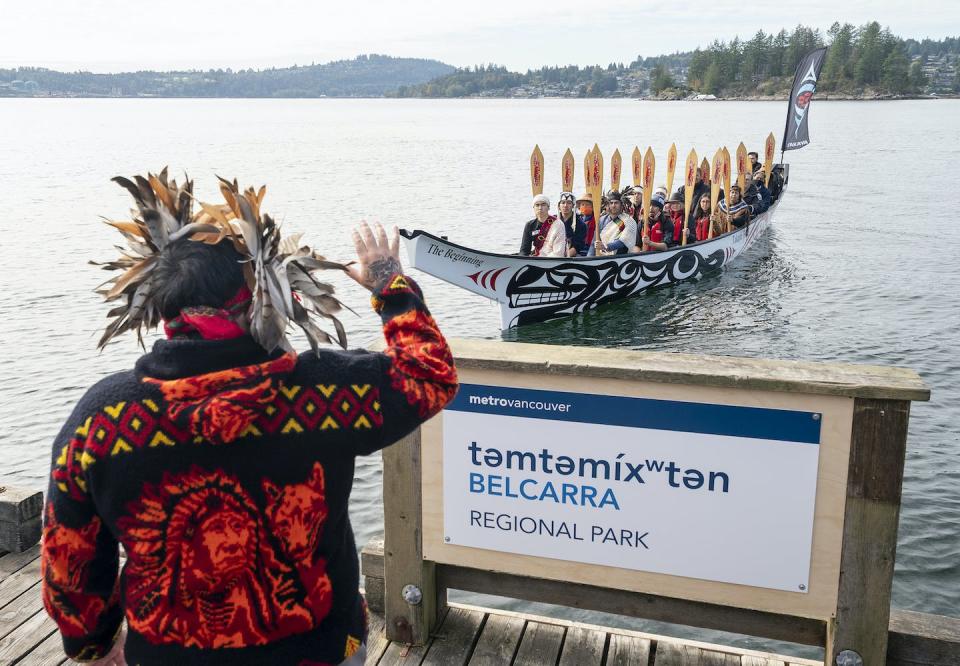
(191,273)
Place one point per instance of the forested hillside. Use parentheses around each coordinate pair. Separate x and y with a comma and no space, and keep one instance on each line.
(363,76)
(862,61)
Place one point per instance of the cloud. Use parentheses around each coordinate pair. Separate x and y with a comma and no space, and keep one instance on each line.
(108,35)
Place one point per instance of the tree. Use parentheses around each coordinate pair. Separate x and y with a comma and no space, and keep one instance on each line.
(699,62)
(918,80)
(712,80)
(660,79)
(601,85)
(896,74)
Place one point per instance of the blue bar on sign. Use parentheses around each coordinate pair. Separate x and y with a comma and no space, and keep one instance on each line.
(753,422)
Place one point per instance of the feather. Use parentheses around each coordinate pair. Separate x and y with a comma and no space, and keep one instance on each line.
(126,184)
(161,191)
(195,227)
(132,276)
(146,198)
(132,228)
(158,231)
(289,244)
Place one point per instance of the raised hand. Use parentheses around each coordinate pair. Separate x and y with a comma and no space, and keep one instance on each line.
(377,258)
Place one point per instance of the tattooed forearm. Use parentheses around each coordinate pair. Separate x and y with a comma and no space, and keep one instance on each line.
(380,269)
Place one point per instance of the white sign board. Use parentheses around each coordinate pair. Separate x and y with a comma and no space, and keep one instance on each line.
(714,492)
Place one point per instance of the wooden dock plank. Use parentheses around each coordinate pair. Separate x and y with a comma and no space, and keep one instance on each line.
(672,654)
(454,640)
(628,651)
(26,637)
(19,582)
(48,653)
(711,658)
(402,655)
(540,644)
(376,639)
(583,647)
(748,660)
(406,655)
(20,610)
(13,562)
(498,641)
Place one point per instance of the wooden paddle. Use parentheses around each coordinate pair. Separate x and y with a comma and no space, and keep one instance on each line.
(536,171)
(615,167)
(726,184)
(743,167)
(705,170)
(594,179)
(637,166)
(691,171)
(649,171)
(716,179)
(768,153)
(671,167)
(587,164)
(566,171)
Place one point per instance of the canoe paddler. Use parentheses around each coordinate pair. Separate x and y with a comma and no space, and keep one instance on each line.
(580,233)
(617,232)
(543,236)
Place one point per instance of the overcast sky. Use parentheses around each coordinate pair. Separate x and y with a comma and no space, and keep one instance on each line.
(115,35)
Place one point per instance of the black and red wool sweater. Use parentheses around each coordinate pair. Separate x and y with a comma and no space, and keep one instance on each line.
(225,473)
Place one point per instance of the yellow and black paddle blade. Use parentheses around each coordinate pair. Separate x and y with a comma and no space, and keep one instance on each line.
(566,171)
(536,171)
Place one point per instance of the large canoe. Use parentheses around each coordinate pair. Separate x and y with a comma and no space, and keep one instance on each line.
(535,289)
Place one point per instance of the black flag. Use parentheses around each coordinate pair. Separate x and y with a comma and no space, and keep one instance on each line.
(796,135)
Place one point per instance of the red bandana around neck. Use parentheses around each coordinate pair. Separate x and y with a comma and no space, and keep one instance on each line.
(211,323)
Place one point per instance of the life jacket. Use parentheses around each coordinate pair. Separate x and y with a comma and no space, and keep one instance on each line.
(677,225)
(703,227)
(656,233)
(542,234)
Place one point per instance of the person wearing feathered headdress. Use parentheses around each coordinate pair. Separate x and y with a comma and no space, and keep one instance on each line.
(223,462)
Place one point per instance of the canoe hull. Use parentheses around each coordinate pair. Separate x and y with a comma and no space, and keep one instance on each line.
(535,289)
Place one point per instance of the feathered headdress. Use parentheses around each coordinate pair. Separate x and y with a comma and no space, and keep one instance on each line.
(279,271)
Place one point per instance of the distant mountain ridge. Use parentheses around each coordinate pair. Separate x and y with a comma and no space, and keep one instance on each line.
(363,76)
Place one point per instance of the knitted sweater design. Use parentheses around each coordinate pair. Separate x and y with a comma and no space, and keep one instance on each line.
(225,474)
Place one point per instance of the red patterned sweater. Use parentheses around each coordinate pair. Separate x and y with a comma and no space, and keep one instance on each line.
(225,473)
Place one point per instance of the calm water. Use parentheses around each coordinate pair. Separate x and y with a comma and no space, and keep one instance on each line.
(860,265)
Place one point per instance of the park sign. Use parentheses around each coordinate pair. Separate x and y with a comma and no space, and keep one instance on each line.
(680,488)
